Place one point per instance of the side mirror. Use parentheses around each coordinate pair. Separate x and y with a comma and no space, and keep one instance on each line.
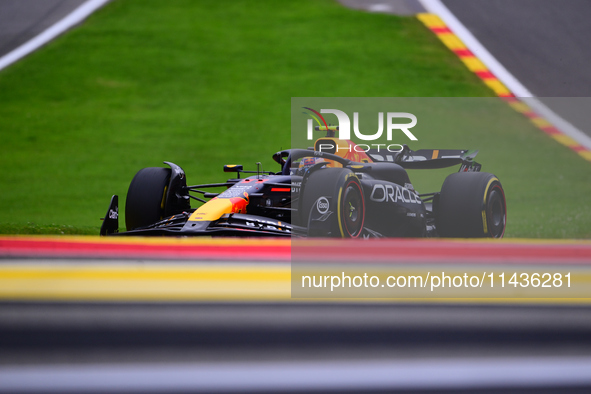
(233,168)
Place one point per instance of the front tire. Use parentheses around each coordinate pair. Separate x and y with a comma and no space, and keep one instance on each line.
(146,197)
(471,205)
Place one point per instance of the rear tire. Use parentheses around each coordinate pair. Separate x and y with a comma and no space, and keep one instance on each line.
(471,205)
(347,203)
(146,197)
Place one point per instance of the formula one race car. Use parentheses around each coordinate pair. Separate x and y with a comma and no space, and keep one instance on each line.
(336,189)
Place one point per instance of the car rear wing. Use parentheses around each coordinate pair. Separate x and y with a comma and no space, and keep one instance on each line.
(428,158)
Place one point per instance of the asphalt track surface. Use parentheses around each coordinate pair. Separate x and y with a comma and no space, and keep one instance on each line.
(439,342)
(543,43)
(21,20)
(35,333)
(38,333)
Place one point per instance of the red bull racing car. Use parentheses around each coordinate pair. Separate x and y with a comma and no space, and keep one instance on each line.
(335,189)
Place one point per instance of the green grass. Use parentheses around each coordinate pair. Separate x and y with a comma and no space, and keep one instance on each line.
(45,229)
(206,83)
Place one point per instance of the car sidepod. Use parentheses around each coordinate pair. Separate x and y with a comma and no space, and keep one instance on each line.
(351,203)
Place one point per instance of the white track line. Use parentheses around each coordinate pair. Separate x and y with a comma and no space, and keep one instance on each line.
(516,87)
(277,376)
(75,17)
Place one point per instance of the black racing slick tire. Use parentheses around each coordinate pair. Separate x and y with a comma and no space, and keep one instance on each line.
(146,197)
(471,205)
(333,204)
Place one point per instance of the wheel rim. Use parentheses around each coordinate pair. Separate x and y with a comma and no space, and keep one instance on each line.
(496,212)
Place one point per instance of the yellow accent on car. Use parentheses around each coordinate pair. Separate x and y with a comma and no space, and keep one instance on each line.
(339,212)
(163,197)
(212,210)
